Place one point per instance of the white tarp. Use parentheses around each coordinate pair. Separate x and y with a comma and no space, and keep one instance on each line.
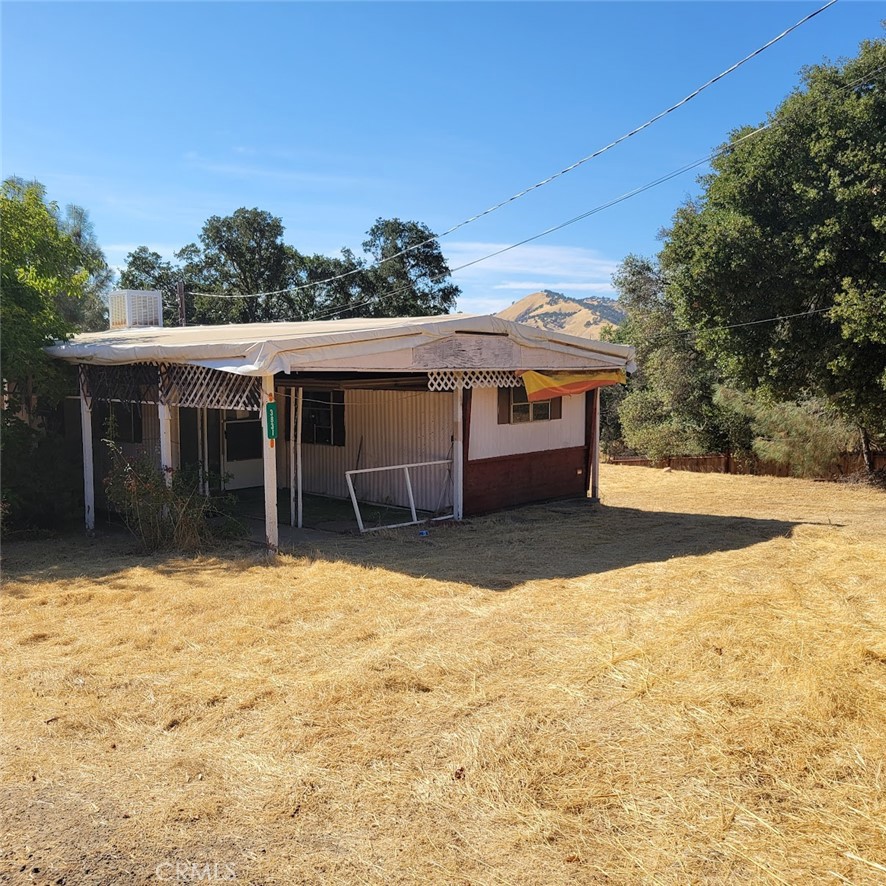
(269,348)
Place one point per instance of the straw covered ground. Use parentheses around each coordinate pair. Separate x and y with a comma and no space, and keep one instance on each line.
(685,684)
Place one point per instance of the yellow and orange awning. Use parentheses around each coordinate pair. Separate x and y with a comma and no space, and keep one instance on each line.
(544,386)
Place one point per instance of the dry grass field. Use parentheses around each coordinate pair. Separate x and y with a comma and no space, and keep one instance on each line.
(686,684)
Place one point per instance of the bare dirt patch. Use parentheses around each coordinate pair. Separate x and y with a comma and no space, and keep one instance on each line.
(684,684)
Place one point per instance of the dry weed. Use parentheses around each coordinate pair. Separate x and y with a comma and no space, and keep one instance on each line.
(684,685)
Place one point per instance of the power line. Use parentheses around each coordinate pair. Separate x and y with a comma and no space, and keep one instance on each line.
(613,202)
(685,333)
(538,236)
(757,322)
(546,181)
(620,199)
(689,332)
(642,126)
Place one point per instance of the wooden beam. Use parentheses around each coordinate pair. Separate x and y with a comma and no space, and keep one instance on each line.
(342,381)
(88,467)
(595,449)
(292,408)
(466,418)
(298,462)
(166,464)
(269,461)
(458,455)
(204,455)
(201,466)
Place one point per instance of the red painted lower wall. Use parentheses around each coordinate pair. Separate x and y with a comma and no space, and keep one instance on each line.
(494,483)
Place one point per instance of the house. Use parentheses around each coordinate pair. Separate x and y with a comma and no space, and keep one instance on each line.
(449,415)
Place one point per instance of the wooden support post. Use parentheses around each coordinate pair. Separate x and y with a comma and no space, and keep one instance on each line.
(204,455)
(88,467)
(166,464)
(269,460)
(298,464)
(458,452)
(200,465)
(595,449)
(292,408)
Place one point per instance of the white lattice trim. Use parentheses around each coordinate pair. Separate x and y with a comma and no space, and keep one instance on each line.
(450,379)
(198,386)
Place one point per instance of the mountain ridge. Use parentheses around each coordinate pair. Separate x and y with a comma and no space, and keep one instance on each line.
(547,309)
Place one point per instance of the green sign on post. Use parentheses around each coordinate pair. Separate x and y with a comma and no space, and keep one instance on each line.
(272,420)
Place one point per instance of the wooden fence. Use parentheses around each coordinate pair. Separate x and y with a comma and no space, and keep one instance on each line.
(848,463)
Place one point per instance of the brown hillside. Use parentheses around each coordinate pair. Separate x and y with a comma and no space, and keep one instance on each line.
(552,310)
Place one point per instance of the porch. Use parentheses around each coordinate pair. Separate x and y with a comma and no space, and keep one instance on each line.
(378,411)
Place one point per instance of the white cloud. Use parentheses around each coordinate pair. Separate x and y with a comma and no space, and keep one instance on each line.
(567,262)
(270,173)
(555,285)
(571,270)
(470,304)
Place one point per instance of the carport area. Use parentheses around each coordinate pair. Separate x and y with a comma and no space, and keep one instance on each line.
(410,419)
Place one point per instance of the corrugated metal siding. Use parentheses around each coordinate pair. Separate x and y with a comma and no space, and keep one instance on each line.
(489,439)
(384,428)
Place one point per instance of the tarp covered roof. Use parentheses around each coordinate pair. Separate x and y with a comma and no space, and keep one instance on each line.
(359,343)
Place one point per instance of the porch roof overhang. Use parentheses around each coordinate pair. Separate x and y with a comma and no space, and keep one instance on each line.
(397,344)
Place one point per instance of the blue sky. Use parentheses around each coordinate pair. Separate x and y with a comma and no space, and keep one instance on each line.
(154,116)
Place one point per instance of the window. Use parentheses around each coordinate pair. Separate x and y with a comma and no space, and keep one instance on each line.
(120,422)
(514,408)
(324,417)
(243,439)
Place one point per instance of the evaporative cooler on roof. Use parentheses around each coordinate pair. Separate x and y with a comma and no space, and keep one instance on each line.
(132,308)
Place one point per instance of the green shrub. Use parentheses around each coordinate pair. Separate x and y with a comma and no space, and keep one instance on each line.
(41,481)
(807,435)
(175,516)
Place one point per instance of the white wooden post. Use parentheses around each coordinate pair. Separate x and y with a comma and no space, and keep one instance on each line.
(595,459)
(269,460)
(88,467)
(457,452)
(298,456)
(199,415)
(204,455)
(165,442)
(292,407)
(175,437)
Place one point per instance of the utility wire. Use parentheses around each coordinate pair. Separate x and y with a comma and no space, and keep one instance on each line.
(757,322)
(686,333)
(550,178)
(538,236)
(727,148)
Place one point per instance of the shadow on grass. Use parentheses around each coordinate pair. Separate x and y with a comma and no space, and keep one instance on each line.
(560,540)
(499,552)
(71,556)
